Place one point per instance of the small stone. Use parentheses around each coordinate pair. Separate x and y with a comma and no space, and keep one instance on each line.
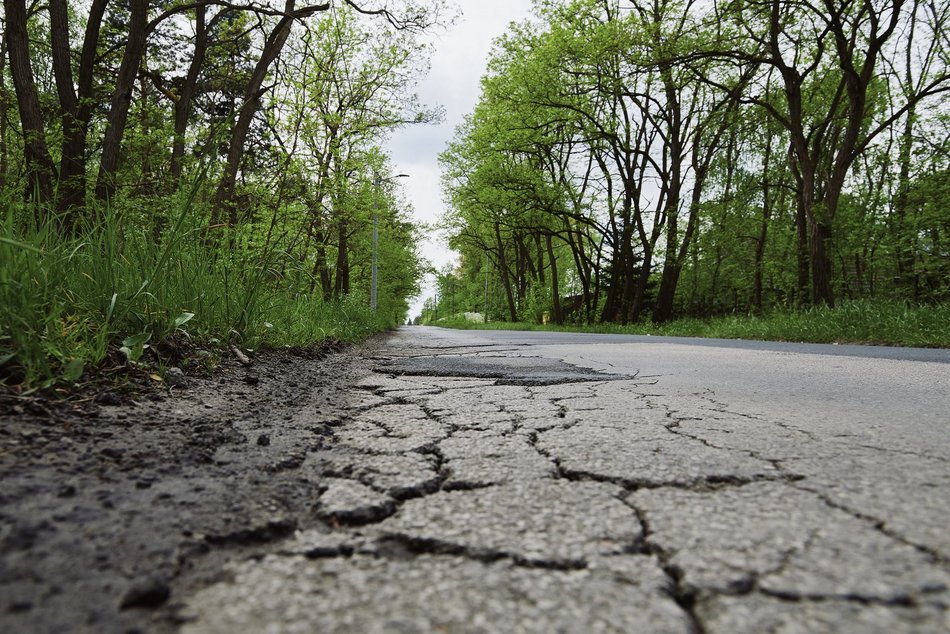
(174,377)
(108,398)
(146,593)
(113,452)
(263,440)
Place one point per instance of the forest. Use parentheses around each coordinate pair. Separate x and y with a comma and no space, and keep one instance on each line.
(180,174)
(641,161)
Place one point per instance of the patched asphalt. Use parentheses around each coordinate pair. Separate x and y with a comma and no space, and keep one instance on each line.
(503,370)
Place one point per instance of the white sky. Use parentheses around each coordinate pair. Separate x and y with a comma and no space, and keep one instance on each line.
(458,63)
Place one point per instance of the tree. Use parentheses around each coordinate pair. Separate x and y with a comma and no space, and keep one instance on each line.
(828,60)
(40,171)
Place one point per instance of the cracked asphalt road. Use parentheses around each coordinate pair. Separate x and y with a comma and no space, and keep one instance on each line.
(495,482)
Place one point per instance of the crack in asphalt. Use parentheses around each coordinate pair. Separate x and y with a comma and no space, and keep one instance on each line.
(403,546)
(682,595)
(880,526)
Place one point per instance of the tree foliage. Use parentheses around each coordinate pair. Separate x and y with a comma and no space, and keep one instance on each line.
(672,157)
(220,159)
(279,109)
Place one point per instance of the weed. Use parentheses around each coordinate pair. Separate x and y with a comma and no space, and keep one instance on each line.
(121,282)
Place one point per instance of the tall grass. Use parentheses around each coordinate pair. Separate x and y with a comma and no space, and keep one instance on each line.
(859,321)
(65,300)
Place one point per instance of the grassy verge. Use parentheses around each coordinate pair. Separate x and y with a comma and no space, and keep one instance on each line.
(882,323)
(70,305)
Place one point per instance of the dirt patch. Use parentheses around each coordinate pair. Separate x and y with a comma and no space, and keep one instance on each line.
(112,505)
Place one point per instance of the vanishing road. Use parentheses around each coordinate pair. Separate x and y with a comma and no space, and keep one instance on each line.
(542,482)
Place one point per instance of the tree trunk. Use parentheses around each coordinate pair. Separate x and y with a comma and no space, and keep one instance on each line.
(540,267)
(122,100)
(583,272)
(224,196)
(40,172)
(630,279)
(639,297)
(663,310)
(184,105)
(75,108)
(4,113)
(763,226)
(72,167)
(505,277)
(819,250)
(342,285)
(819,238)
(905,253)
(611,302)
(523,265)
(557,315)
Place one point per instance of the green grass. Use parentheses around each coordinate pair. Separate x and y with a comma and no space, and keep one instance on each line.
(65,303)
(867,322)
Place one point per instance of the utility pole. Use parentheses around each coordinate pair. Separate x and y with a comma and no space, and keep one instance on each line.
(485,307)
(375,271)
(374,274)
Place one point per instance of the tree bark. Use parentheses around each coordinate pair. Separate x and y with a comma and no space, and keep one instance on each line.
(184,105)
(763,225)
(583,271)
(72,167)
(4,110)
(803,263)
(122,100)
(224,196)
(40,172)
(76,107)
(663,309)
(557,314)
(505,276)
(342,283)
(639,297)
(819,247)
(903,253)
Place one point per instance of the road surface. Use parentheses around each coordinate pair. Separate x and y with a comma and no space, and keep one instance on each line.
(547,482)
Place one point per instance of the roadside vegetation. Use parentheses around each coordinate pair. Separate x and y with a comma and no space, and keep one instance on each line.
(775,170)
(890,324)
(179,178)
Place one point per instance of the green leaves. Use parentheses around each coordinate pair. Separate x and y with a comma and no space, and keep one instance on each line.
(73,370)
(133,347)
(19,245)
(183,319)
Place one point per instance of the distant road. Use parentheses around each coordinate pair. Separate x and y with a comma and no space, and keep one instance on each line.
(533,337)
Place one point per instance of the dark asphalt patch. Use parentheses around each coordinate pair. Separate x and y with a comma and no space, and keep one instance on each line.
(504,370)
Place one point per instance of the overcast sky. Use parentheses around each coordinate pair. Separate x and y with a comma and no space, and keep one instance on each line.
(458,64)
